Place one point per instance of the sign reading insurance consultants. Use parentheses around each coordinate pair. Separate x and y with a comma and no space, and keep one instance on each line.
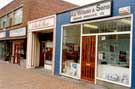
(100,9)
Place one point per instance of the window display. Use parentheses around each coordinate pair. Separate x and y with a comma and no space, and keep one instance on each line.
(71,51)
(48,52)
(113,57)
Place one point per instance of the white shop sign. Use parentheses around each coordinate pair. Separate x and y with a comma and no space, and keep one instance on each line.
(2,34)
(100,9)
(18,32)
(42,23)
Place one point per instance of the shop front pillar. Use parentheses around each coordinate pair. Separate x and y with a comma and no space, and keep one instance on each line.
(29,50)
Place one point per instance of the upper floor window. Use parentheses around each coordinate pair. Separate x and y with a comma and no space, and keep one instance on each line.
(3,21)
(10,19)
(18,16)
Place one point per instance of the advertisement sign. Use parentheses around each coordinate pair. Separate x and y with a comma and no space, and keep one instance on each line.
(100,9)
(18,32)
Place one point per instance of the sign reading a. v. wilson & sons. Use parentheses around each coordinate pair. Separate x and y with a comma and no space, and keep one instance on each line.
(100,9)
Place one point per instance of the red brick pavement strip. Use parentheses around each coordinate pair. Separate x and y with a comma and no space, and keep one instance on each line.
(15,77)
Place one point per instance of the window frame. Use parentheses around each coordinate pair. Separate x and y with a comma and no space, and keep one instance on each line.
(109,33)
(17,15)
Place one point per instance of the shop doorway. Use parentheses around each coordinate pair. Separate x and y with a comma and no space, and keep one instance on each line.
(88,58)
(42,50)
(18,51)
(46,50)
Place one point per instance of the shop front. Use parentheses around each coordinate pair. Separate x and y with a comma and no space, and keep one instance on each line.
(17,40)
(96,44)
(96,51)
(41,43)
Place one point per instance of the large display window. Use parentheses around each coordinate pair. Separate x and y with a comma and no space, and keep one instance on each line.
(113,57)
(71,51)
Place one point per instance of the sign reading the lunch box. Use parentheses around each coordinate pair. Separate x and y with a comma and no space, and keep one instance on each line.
(100,9)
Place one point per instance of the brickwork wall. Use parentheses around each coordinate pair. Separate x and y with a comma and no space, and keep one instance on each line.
(33,9)
(50,7)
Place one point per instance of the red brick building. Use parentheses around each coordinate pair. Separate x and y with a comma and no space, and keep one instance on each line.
(13,24)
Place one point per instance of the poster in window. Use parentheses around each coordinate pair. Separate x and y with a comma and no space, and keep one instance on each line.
(122,56)
(112,48)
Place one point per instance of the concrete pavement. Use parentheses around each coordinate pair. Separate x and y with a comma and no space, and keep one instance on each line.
(15,77)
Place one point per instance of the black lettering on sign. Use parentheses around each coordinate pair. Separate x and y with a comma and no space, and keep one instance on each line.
(102,13)
(99,7)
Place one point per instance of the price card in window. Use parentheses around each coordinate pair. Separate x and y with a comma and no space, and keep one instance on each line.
(100,55)
(103,38)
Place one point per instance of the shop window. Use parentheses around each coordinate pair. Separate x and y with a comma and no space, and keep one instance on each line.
(48,52)
(117,25)
(71,51)
(18,16)
(4,50)
(114,57)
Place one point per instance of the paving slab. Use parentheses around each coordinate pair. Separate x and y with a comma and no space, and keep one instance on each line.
(15,77)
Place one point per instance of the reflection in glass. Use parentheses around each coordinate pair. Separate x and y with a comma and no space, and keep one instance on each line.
(116,25)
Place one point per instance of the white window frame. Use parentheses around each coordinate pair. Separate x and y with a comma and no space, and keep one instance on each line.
(62,53)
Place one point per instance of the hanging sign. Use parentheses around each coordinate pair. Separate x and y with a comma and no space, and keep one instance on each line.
(100,9)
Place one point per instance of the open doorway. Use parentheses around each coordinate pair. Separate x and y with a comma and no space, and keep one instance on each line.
(19,52)
(46,50)
(43,50)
